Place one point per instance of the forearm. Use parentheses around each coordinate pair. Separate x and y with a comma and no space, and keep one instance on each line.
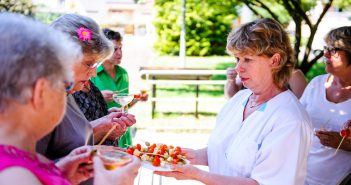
(201,155)
(230,89)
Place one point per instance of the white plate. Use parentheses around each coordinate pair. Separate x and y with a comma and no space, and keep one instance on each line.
(165,168)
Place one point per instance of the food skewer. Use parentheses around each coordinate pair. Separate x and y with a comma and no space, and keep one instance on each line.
(336,151)
(106,135)
(343,133)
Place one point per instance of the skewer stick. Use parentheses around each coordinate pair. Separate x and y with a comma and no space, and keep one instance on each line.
(106,135)
(339,145)
(121,90)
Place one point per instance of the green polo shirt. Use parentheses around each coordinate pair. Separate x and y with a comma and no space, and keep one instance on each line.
(103,81)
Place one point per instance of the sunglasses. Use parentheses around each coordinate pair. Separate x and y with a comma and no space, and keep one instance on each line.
(331,50)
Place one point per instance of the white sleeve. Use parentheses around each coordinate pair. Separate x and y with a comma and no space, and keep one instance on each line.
(306,96)
(282,157)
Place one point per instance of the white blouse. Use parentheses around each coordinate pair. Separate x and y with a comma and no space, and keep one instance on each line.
(270,146)
(323,167)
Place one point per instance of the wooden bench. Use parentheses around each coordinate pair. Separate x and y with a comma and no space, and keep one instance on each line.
(181,76)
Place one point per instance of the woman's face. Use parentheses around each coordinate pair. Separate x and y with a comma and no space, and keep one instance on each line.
(335,61)
(116,58)
(255,71)
(84,70)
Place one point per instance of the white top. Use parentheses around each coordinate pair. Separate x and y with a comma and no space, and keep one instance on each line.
(270,146)
(323,166)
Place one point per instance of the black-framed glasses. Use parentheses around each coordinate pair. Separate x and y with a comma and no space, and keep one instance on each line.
(331,50)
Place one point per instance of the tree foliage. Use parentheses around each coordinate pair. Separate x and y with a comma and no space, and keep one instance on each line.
(17,6)
(299,11)
(208,23)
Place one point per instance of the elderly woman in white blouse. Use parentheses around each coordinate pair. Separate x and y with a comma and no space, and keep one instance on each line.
(263,134)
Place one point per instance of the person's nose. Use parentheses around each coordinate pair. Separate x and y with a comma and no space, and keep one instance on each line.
(238,67)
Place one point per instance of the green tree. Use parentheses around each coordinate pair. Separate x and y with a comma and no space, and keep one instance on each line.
(299,12)
(17,6)
(208,23)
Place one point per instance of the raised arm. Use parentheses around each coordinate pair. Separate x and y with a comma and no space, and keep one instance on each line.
(232,86)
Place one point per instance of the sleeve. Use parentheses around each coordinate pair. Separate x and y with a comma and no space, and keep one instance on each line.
(282,156)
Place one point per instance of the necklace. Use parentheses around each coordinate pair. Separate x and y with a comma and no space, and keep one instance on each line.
(253,104)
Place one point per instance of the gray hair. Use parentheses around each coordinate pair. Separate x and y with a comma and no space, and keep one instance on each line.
(97,45)
(29,51)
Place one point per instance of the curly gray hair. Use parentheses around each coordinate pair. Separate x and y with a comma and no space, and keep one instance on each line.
(98,44)
(29,51)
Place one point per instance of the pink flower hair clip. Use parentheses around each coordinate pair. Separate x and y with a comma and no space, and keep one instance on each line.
(84,34)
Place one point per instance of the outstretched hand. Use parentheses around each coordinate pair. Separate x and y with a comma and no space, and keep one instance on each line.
(122,176)
(182,172)
(77,166)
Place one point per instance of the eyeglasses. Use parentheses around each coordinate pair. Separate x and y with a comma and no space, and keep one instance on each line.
(93,66)
(68,86)
(331,50)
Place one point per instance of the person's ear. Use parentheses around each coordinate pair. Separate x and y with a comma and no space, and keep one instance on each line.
(276,59)
(38,93)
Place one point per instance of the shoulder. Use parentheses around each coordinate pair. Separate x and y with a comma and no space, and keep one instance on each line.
(18,175)
(289,109)
(319,79)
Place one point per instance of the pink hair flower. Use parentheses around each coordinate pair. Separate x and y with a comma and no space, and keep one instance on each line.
(84,34)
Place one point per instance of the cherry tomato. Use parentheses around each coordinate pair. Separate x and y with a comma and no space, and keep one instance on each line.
(130,151)
(178,149)
(175,161)
(138,146)
(345,133)
(175,154)
(151,150)
(161,151)
(137,96)
(156,161)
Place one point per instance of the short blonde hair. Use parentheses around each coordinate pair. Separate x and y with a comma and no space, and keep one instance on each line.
(265,37)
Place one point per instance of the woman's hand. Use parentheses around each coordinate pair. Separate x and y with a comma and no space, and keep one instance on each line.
(183,172)
(232,86)
(122,176)
(196,157)
(108,95)
(121,121)
(332,139)
(77,166)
